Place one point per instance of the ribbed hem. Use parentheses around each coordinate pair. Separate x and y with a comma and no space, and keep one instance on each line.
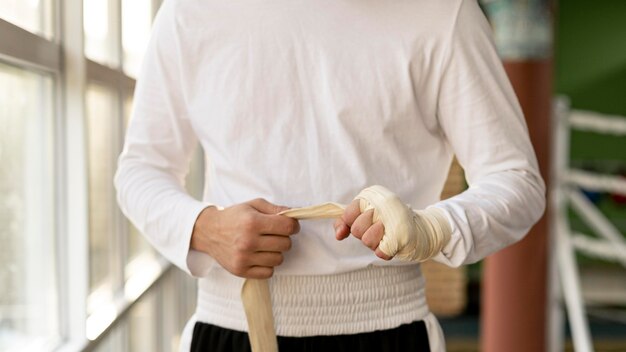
(374,298)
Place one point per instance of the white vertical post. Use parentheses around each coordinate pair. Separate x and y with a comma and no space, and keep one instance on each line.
(565,256)
(572,291)
(120,249)
(73,252)
(559,162)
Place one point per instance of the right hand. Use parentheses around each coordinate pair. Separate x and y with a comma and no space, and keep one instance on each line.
(361,226)
(247,239)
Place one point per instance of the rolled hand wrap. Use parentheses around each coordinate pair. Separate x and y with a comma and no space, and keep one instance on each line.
(410,235)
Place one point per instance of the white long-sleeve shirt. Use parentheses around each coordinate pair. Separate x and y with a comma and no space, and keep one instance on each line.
(302,102)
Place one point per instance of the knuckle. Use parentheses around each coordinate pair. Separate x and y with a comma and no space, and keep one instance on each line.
(344,219)
(239,262)
(368,242)
(237,270)
(268,273)
(279,259)
(249,222)
(356,230)
(290,227)
(245,244)
(259,200)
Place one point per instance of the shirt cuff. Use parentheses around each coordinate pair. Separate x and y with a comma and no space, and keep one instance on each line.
(452,254)
(193,262)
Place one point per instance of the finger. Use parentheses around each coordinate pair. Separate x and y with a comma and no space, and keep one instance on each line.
(351,213)
(277,225)
(273,243)
(361,224)
(259,272)
(265,207)
(270,259)
(372,237)
(380,254)
(342,231)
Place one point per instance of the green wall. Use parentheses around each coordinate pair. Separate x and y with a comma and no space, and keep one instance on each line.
(590,65)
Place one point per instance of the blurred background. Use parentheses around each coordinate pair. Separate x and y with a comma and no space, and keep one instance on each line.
(75,275)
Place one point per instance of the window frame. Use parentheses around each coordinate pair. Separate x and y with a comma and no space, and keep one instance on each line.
(63,57)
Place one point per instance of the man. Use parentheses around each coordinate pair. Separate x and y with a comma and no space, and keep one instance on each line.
(299,102)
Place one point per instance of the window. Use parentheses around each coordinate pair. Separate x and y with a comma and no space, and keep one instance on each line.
(27,265)
(143,325)
(33,15)
(102,149)
(114,341)
(74,274)
(102,31)
(136,23)
(178,295)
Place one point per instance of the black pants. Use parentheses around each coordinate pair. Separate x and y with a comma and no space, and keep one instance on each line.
(409,337)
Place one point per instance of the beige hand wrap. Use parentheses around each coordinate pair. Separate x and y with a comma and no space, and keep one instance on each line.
(409,235)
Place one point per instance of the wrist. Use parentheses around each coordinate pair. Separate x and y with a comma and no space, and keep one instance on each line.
(432,224)
(206,224)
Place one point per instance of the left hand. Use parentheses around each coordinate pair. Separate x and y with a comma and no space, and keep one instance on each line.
(360,226)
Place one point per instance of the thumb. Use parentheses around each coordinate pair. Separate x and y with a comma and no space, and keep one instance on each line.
(265,207)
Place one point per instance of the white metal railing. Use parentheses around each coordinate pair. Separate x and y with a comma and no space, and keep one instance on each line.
(610,245)
(596,182)
(599,123)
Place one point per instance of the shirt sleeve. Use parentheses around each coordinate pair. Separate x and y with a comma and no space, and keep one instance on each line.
(157,151)
(484,124)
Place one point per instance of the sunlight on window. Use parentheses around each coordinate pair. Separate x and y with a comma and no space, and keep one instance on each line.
(28,285)
(143,325)
(136,24)
(33,15)
(101,126)
(100,32)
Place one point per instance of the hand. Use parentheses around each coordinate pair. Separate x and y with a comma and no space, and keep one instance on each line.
(247,239)
(361,227)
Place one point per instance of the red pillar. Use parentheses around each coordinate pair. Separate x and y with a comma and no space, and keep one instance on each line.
(514,292)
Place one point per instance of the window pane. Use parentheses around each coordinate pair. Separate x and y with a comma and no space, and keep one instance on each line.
(28,287)
(102,115)
(179,302)
(101,25)
(188,288)
(143,325)
(170,335)
(137,243)
(33,15)
(114,341)
(136,23)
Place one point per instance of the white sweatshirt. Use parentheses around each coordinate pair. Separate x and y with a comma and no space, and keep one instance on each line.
(307,101)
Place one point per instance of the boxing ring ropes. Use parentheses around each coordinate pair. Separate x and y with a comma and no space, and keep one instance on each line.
(566,190)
